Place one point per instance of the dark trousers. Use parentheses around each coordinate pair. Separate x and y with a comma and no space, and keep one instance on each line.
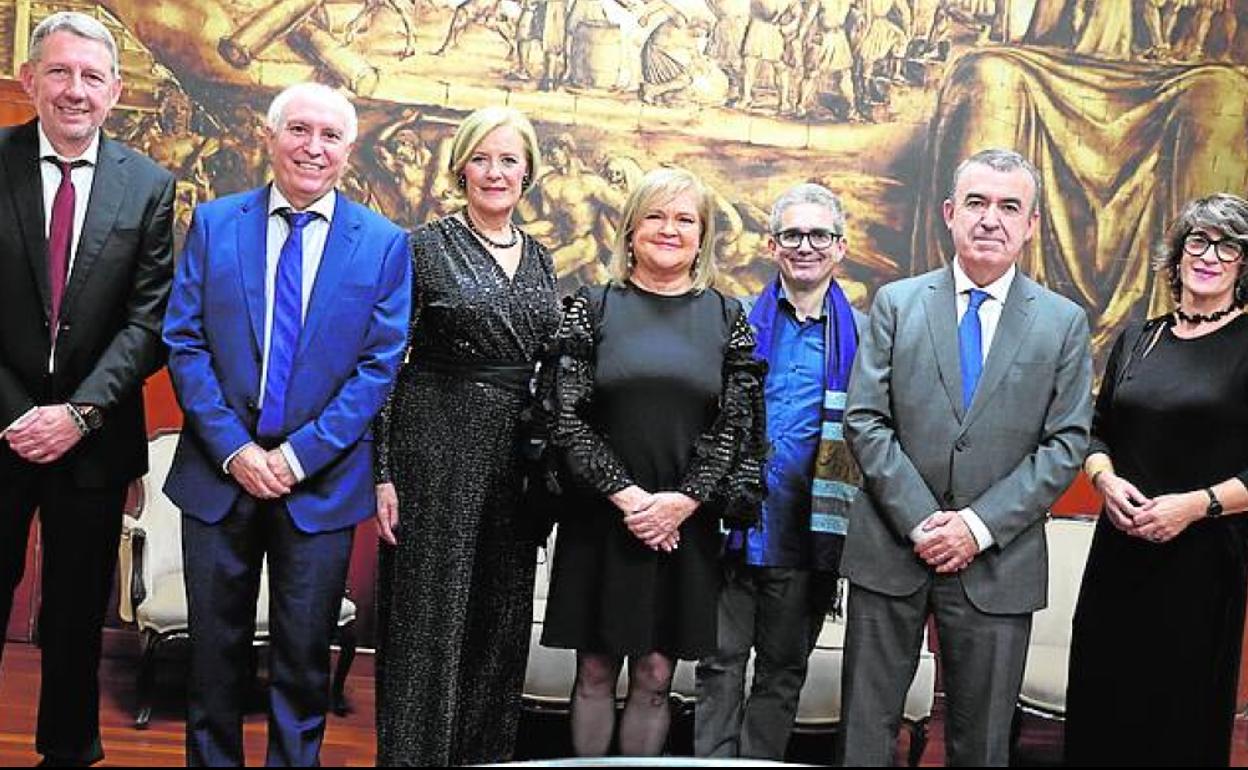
(982,658)
(307,577)
(80,532)
(778,612)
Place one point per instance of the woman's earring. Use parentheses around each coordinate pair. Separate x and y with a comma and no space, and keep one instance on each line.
(463,182)
(524,183)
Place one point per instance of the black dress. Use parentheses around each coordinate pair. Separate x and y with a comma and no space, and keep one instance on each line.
(664,392)
(455,597)
(1156,640)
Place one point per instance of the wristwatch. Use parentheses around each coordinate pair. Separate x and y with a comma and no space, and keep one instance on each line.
(92,417)
(1215,506)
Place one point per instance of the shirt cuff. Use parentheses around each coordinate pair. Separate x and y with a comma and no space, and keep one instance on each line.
(917,535)
(225,466)
(16,423)
(292,460)
(983,538)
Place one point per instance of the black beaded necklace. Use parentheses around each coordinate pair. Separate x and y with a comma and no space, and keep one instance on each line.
(1200,318)
(515,233)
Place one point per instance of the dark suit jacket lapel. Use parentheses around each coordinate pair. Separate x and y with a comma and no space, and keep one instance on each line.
(252,243)
(22,177)
(344,232)
(108,192)
(1016,319)
(941,308)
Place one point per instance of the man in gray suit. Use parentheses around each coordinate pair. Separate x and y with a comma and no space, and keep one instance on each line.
(968,410)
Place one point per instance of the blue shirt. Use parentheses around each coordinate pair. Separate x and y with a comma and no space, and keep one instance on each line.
(794,396)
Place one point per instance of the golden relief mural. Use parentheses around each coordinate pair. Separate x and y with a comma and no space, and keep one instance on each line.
(1129,108)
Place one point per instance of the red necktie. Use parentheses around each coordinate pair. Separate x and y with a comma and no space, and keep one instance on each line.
(61,236)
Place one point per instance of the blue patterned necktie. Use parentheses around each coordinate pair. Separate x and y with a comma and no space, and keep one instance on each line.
(971,346)
(287,323)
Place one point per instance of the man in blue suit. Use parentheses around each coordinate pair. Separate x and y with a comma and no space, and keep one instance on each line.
(286,326)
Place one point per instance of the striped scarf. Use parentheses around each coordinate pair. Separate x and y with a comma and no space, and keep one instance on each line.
(836,475)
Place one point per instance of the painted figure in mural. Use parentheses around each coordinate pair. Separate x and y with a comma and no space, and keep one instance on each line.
(240,162)
(1160,17)
(173,143)
(490,14)
(727,35)
(279,380)
(675,68)
(1206,11)
(823,50)
(455,590)
(85,266)
(770,38)
(574,210)
(780,575)
(959,480)
(402,152)
(672,446)
(406,11)
(883,34)
(1169,543)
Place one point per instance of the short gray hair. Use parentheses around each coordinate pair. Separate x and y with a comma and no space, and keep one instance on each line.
(1226,213)
(1003,160)
(275,119)
(811,193)
(75,23)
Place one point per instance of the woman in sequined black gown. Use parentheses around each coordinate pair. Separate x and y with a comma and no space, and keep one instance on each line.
(456,569)
(660,420)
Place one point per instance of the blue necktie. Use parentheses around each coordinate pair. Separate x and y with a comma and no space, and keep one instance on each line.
(971,346)
(287,322)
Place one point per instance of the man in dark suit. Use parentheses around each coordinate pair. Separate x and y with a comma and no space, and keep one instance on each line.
(85,265)
(286,326)
(968,410)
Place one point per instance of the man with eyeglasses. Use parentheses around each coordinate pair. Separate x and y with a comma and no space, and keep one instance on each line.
(780,576)
(969,410)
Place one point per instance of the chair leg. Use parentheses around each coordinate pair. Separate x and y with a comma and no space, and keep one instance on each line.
(146,679)
(918,742)
(346,656)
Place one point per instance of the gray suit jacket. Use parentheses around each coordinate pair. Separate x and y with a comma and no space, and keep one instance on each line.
(1008,457)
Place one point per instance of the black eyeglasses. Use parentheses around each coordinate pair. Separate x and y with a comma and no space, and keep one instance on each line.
(818,238)
(1227,249)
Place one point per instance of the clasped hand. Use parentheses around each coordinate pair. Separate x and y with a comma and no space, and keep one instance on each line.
(45,435)
(654,518)
(1156,519)
(947,544)
(265,475)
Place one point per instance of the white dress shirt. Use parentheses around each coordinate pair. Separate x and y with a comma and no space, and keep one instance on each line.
(81,178)
(315,233)
(989,317)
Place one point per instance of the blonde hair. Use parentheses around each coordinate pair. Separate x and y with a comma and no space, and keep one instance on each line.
(657,188)
(478,125)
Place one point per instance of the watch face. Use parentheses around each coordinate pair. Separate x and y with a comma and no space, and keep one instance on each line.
(92,417)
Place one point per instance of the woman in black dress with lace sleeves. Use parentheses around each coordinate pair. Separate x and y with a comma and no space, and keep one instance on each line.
(660,421)
(1155,651)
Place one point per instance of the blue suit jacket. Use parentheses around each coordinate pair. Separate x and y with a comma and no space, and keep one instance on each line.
(349,351)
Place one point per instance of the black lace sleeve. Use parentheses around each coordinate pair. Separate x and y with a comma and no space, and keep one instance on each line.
(727,466)
(589,459)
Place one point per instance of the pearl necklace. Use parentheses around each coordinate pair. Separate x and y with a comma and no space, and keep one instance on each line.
(515,233)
